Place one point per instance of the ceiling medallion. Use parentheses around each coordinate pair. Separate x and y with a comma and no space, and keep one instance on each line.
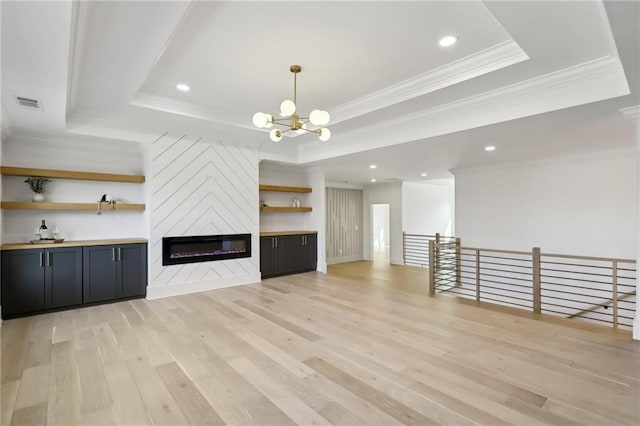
(292,121)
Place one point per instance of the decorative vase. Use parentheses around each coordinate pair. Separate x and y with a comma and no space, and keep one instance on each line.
(37,197)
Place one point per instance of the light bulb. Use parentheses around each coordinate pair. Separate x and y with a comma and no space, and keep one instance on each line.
(259,119)
(275,135)
(287,108)
(269,121)
(315,117)
(301,129)
(325,118)
(319,117)
(324,134)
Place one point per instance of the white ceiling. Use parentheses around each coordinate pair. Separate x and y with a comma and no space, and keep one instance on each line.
(536,79)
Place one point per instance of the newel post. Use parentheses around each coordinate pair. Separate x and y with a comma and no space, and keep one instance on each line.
(458,263)
(432,269)
(535,264)
(404,248)
(437,252)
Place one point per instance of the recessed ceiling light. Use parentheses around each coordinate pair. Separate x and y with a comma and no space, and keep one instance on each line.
(373,180)
(448,41)
(373,166)
(490,148)
(183,87)
(423,174)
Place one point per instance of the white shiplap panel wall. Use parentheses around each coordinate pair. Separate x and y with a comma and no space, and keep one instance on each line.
(202,188)
(344,225)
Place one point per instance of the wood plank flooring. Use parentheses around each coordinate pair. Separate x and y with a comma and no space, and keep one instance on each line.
(361,345)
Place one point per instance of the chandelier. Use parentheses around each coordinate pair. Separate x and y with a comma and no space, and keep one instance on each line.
(290,120)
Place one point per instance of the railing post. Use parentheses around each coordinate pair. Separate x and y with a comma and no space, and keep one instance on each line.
(535,264)
(458,263)
(477,275)
(404,249)
(432,270)
(614,298)
(437,251)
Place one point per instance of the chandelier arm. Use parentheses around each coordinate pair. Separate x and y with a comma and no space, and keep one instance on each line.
(287,125)
(317,132)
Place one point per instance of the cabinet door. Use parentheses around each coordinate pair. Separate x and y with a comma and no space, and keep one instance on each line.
(267,248)
(99,273)
(311,252)
(296,253)
(282,256)
(132,270)
(22,281)
(63,277)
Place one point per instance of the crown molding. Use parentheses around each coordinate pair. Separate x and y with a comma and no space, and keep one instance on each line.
(482,62)
(73,141)
(80,11)
(592,81)
(165,104)
(632,112)
(139,126)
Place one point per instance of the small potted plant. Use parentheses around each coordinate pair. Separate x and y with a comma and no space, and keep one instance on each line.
(37,185)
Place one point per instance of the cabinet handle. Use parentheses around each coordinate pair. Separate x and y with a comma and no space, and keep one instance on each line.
(48,259)
(276,239)
(119,254)
(113,254)
(41,258)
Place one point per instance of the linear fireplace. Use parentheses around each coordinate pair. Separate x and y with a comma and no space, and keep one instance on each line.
(205,248)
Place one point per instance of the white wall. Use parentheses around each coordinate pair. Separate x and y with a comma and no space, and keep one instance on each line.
(428,208)
(584,205)
(78,155)
(201,188)
(384,193)
(271,174)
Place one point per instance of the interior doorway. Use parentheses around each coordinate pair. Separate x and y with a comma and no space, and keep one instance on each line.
(380,238)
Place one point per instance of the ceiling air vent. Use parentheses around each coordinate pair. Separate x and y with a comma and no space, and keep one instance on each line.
(29,103)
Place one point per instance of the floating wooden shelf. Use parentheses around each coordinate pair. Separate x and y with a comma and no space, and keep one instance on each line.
(276,188)
(286,209)
(27,205)
(67,174)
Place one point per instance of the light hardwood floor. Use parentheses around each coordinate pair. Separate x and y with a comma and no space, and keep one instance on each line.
(361,345)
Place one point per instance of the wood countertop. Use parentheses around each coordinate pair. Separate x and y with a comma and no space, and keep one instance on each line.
(22,246)
(283,233)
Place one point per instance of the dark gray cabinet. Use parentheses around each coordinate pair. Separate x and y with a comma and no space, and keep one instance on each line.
(39,280)
(287,254)
(274,256)
(310,252)
(36,280)
(114,272)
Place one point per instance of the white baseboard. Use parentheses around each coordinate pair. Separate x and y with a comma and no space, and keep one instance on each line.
(158,292)
(636,328)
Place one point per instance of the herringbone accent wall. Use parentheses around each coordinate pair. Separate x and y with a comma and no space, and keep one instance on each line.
(202,188)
